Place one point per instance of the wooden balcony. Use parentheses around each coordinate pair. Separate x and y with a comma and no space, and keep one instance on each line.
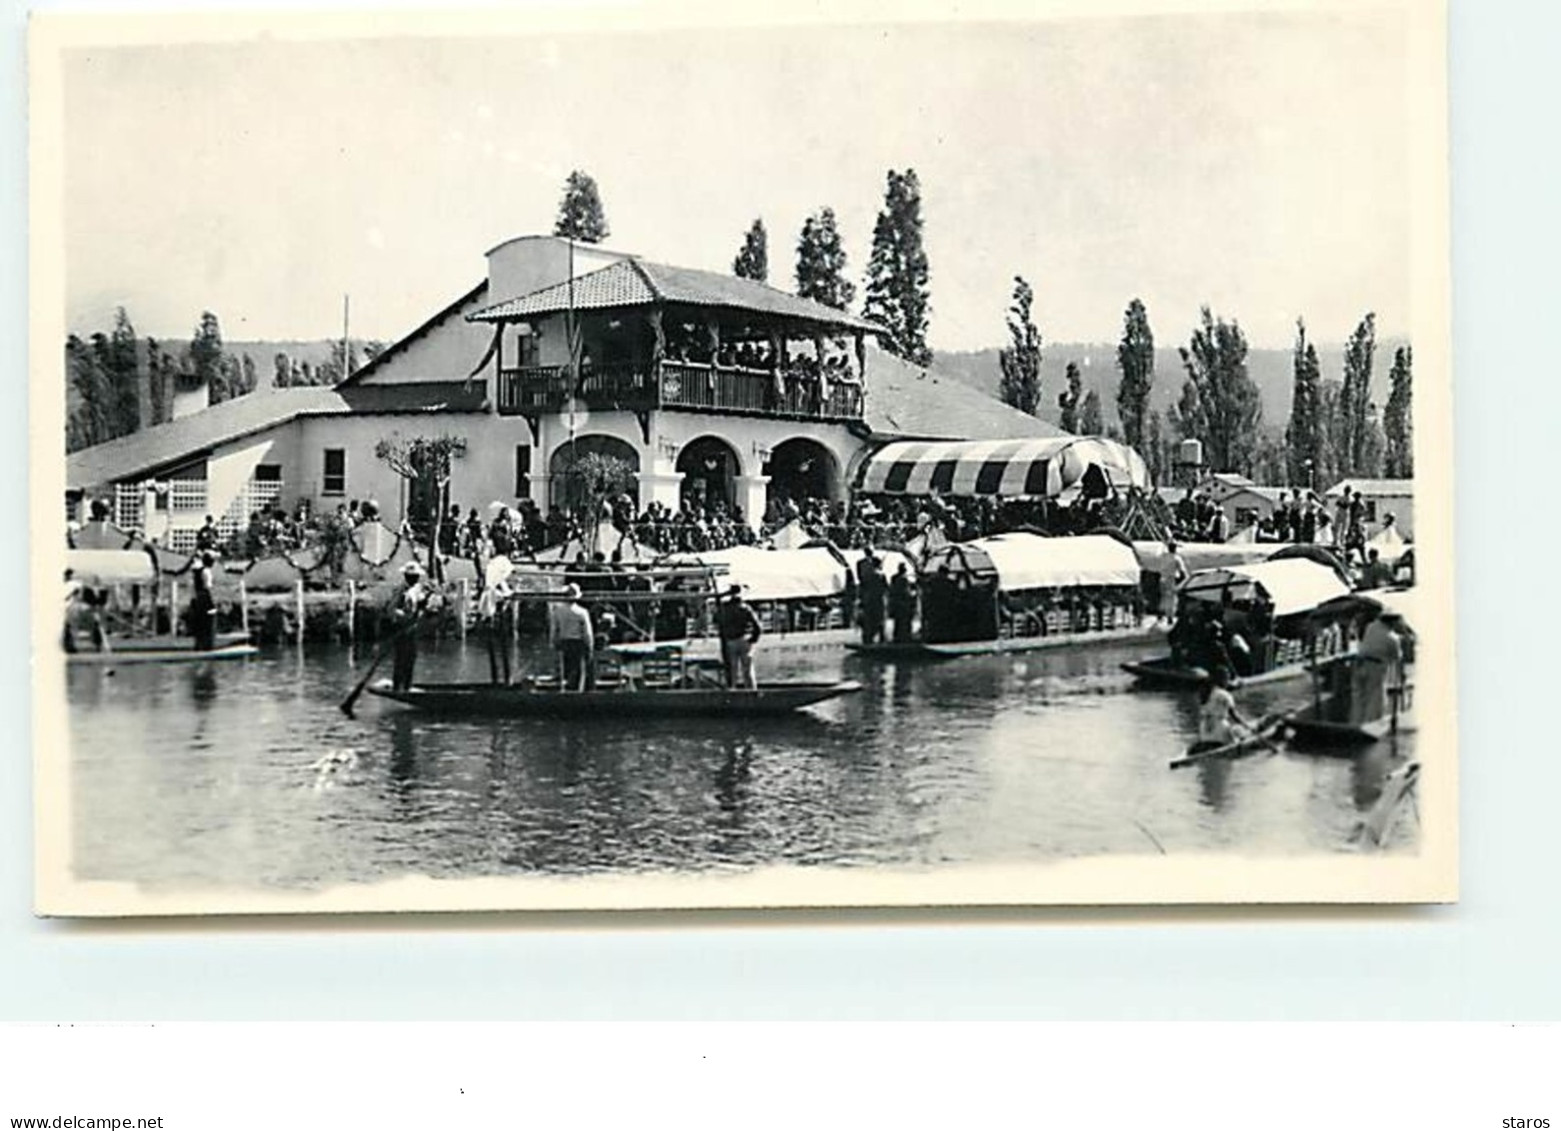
(680,386)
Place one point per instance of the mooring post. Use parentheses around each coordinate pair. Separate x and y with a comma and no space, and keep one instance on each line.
(173,608)
(352,612)
(465,605)
(243,607)
(298,599)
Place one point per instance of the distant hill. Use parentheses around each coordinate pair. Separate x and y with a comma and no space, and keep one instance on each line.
(1270,369)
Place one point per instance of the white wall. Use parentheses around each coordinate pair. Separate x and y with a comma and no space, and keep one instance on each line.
(449,350)
(528,263)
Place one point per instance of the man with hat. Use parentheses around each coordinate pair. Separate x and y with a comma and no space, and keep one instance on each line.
(569,625)
(740,631)
(203,608)
(411,601)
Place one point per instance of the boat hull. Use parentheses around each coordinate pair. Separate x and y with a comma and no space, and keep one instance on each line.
(175,643)
(1162,674)
(161,656)
(487,700)
(1309,732)
(1046,643)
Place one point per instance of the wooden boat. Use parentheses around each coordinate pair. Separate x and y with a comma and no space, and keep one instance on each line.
(520,701)
(1290,612)
(1163,674)
(1312,728)
(174,643)
(1079,639)
(162,655)
(1263,735)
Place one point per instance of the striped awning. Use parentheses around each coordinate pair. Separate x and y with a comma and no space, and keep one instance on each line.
(1033,467)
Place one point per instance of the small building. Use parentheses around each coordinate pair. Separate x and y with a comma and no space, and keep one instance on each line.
(705,385)
(1244,502)
(1382,498)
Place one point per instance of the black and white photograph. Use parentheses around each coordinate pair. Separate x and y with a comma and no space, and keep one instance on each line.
(539,460)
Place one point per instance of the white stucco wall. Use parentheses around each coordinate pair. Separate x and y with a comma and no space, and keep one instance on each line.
(524,264)
(448,351)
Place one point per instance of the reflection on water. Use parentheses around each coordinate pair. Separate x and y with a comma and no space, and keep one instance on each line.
(247,773)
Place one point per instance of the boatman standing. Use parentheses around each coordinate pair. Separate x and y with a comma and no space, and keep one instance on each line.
(411,601)
(574,640)
(1172,571)
(739,628)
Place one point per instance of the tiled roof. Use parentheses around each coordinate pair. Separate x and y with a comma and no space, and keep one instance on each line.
(638,282)
(194,435)
(906,402)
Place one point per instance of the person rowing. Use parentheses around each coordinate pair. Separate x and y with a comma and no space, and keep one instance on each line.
(411,601)
(1219,722)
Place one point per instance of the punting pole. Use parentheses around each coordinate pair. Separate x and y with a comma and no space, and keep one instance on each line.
(298,604)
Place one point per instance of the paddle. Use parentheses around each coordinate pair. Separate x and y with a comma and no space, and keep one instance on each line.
(1260,732)
(348,703)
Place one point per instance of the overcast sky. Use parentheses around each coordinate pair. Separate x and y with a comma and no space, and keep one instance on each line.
(1255,163)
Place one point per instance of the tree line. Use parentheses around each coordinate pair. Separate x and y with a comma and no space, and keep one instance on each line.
(1335,430)
(895,291)
(122,382)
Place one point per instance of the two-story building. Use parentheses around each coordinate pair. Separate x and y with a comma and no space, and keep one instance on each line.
(704,385)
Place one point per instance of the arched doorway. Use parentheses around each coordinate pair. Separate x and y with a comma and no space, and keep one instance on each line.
(588,468)
(709,467)
(802,469)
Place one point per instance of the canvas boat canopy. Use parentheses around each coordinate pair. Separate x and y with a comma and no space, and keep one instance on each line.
(782,575)
(1045,467)
(1294,585)
(110,567)
(1030,561)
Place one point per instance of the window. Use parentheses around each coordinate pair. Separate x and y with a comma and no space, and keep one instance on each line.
(334,482)
(523,471)
(268,473)
(530,350)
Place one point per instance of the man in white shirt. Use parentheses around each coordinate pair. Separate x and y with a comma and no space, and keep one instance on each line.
(575,641)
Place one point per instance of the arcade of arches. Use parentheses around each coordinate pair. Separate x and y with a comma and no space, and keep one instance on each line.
(709,469)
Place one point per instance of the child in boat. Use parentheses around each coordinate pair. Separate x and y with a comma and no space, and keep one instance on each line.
(1219,723)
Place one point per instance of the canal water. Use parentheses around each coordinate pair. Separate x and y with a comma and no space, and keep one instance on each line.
(246,773)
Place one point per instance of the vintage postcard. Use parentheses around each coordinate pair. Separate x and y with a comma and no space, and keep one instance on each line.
(656,459)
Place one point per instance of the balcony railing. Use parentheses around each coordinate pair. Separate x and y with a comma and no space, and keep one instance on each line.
(534,389)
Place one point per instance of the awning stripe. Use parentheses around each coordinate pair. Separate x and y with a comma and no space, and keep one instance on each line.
(1033,467)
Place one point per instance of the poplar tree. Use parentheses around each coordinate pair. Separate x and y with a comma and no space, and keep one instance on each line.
(1398,417)
(1090,416)
(821,262)
(1220,404)
(1304,433)
(753,261)
(1021,360)
(1135,358)
(580,212)
(1355,395)
(1068,400)
(897,294)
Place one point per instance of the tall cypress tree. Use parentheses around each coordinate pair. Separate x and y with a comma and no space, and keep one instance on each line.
(580,212)
(821,262)
(1304,433)
(205,357)
(753,261)
(1135,358)
(1021,359)
(1398,417)
(897,294)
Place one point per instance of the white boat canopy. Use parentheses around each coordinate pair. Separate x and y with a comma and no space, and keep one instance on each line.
(1294,585)
(1011,468)
(110,567)
(782,575)
(1030,561)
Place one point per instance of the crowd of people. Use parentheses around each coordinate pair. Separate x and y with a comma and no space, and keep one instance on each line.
(1298,516)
